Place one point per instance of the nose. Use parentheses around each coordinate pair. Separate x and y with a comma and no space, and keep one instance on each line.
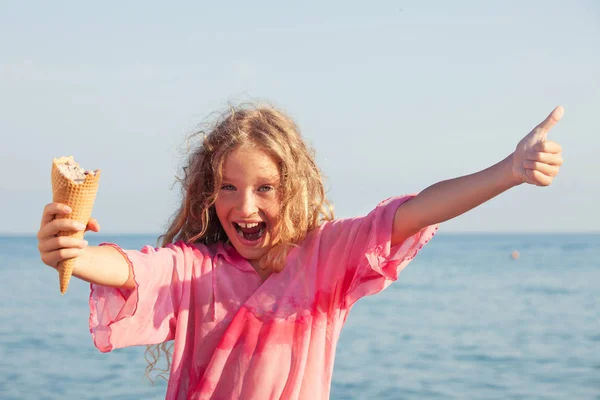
(247,205)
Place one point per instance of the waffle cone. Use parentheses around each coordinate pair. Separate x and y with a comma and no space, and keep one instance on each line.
(80,197)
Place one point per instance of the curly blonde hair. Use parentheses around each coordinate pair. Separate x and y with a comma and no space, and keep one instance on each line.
(304,205)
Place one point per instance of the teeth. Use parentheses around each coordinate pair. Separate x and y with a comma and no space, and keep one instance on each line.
(249,225)
(255,237)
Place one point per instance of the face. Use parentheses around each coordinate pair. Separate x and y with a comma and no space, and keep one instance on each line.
(248,204)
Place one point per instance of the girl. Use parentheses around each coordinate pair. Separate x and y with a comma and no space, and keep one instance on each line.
(254,278)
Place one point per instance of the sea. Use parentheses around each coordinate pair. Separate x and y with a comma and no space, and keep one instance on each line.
(465,320)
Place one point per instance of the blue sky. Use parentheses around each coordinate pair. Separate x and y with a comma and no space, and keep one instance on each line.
(393,95)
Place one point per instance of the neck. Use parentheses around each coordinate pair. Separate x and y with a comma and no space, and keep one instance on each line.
(264,273)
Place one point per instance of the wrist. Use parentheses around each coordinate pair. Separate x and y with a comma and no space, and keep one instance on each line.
(510,178)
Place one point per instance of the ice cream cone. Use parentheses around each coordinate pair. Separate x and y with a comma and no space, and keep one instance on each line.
(80,197)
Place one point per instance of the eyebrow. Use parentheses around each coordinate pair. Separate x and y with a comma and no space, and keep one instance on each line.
(272,178)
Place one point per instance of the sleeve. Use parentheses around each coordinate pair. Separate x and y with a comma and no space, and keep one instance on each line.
(360,249)
(143,315)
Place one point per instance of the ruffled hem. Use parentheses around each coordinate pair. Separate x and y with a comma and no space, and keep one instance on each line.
(104,300)
(383,260)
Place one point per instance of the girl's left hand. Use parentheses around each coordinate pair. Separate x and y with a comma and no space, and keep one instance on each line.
(537,160)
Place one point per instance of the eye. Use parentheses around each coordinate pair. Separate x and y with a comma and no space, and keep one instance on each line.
(265,188)
(227,187)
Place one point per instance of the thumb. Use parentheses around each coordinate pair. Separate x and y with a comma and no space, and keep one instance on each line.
(551,119)
(93,225)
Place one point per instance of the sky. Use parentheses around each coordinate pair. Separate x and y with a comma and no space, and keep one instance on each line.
(393,95)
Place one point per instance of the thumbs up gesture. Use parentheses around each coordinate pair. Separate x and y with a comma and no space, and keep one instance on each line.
(537,160)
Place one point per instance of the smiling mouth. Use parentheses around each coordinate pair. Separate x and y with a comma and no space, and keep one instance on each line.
(251,234)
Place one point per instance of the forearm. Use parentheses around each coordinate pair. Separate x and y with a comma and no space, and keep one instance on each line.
(448,199)
(105,266)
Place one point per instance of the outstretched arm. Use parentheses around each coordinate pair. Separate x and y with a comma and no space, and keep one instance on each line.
(535,161)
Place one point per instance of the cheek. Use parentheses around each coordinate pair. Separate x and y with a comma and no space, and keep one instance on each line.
(270,207)
(272,211)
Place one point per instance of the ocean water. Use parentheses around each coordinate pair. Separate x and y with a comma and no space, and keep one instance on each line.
(464,321)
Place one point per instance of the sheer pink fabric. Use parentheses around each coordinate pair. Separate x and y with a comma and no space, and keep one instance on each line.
(237,337)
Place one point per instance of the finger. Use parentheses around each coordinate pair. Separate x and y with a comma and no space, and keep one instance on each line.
(546,169)
(54,257)
(548,146)
(61,242)
(93,225)
(546,158)
(537,178)
(551,119)
(51,210)
(60,225)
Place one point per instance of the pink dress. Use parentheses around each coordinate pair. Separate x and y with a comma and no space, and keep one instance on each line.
(237,337)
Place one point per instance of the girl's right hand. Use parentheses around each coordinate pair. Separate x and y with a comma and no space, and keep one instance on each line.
(54,249)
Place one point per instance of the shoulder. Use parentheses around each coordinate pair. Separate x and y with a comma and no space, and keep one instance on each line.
(191,261)
(196,250)
(181,252)
(378,218)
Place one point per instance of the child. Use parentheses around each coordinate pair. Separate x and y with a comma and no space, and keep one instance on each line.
(255,279)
